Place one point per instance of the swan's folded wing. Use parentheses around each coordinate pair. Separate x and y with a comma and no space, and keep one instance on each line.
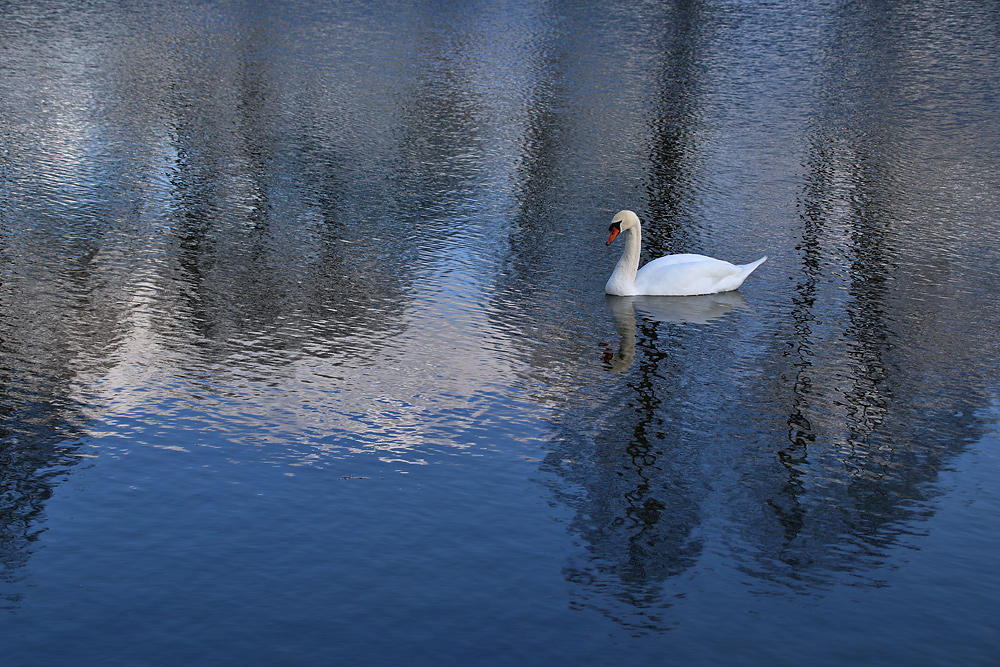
(688,275)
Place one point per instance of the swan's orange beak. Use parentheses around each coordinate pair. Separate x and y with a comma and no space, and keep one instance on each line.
(615,230)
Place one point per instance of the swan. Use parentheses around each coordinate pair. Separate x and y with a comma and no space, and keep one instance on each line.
(673,275)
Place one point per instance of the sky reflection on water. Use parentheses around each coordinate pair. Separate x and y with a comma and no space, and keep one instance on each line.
(249,256)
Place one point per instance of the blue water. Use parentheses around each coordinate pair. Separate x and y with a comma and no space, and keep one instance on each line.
(305,357)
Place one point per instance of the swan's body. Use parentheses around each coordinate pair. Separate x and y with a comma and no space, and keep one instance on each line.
(673,275)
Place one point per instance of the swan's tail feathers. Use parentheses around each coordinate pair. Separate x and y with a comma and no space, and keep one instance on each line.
(747,269)
(753,265)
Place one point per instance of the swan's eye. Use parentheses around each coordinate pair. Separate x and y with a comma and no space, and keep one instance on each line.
(615,227)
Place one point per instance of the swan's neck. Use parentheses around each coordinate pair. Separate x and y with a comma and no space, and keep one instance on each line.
(622,281)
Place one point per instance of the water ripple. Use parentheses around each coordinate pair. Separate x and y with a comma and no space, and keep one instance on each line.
(354,241)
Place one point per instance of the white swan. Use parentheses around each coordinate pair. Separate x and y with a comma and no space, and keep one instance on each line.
(673,275)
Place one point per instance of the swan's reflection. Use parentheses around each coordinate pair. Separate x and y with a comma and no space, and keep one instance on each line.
(680,309)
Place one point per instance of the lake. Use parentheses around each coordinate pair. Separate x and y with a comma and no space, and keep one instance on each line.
(305,356)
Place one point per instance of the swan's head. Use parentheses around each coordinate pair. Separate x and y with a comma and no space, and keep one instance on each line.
(623,221)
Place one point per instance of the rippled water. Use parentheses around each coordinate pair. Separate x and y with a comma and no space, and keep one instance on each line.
(305,356)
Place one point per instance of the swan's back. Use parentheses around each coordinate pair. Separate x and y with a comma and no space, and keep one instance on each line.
(690,275)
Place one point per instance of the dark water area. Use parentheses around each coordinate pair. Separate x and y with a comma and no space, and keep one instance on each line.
(305,356)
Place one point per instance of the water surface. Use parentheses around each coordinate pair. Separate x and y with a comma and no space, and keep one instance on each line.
(305,356)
